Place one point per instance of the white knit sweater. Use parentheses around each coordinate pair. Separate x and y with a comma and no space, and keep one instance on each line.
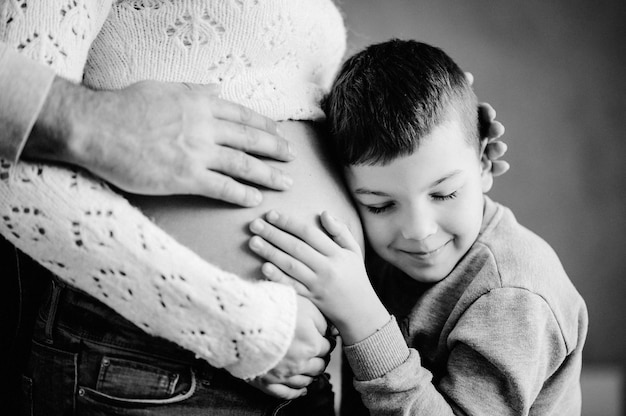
(275,56)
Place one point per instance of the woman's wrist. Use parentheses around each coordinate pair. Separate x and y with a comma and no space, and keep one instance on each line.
(57,134)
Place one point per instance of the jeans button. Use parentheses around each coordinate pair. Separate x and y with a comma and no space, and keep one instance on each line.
(81,392)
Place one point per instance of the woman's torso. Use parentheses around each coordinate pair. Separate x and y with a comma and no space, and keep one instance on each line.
(218,231)
(275,57)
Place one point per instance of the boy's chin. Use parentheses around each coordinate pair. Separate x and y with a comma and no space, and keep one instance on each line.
(429,276)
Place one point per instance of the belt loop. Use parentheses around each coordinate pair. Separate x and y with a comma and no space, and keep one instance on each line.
(57,289)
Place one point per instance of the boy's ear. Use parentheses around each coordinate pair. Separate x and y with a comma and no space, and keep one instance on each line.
(486,165)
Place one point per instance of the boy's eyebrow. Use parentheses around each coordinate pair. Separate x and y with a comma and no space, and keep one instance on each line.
(446,177)
(364,191)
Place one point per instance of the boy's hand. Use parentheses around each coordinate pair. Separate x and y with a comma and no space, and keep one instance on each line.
(328,268)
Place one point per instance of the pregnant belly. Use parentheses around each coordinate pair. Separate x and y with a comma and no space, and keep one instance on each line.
(218,232)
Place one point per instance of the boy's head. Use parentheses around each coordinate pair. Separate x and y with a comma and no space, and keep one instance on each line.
(404,123)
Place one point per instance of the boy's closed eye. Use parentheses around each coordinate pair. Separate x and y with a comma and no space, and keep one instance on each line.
(444,196)
(380,208)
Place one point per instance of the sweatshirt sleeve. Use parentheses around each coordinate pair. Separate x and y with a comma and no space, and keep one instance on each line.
(91,237)
(502,351)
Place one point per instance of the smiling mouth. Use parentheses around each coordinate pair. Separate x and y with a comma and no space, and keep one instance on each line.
(425,254)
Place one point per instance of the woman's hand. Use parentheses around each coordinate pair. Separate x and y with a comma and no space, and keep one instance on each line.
(306,358)
(327,266)
(157,138)
(491,130)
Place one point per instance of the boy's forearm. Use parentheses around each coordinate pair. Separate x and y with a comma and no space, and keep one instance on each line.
(360,323)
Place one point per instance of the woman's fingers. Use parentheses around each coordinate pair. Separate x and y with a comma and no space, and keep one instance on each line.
(253,140)
(299,381)
(279,390)
(223,187)
(496,150)
(486,112)
(228,110)
(499,167)
(237,164)
(495,131)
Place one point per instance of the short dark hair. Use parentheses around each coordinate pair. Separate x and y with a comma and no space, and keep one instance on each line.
(390,95)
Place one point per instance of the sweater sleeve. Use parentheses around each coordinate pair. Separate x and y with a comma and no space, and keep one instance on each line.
(502,351)
(91,237)
(24,85)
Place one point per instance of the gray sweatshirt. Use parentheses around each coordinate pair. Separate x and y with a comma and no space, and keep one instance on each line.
(501,335)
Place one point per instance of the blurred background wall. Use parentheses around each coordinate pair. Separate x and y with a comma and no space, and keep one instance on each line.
(554,71)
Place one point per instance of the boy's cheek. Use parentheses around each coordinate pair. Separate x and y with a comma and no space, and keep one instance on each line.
(376,231)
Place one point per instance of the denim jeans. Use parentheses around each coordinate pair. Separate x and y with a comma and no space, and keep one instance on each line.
(88,360)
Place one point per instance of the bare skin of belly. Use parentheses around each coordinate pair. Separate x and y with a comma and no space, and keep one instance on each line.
(218,231)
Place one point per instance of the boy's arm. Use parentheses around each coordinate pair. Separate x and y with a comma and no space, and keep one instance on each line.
(506,355)
(508,337)
(328,268)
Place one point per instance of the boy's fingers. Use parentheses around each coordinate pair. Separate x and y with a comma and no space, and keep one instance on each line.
(340,232)
(284,239)
(309,233)
(273,273)
(291,266)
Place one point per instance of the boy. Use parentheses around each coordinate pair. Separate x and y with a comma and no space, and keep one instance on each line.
(493,324)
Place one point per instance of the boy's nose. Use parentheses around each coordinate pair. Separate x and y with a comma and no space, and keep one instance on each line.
(418,225)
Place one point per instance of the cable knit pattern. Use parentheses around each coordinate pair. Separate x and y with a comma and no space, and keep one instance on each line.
(275,56)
